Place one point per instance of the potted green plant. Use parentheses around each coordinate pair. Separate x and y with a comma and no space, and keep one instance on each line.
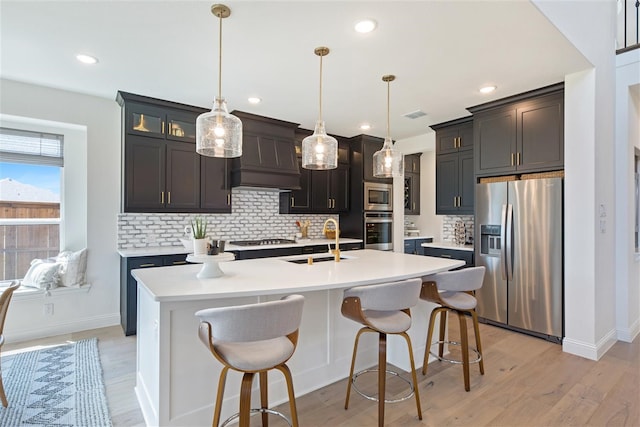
(199,233)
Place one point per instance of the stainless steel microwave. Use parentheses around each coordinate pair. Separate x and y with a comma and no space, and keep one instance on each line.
(378,197)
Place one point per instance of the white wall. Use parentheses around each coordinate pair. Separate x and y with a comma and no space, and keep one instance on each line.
(427,222)
(589,171)
(627,140)
(101,118)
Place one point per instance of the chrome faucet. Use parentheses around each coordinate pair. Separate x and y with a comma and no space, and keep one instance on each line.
(336,251)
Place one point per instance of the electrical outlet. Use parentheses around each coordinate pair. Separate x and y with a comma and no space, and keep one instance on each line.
(47,310)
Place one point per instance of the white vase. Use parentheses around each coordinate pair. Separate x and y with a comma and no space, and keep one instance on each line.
(200,246)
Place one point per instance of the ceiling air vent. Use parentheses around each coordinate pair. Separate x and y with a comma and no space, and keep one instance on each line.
(415,114)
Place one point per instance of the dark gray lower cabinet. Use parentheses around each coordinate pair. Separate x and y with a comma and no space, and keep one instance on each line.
(129,286)
(300,250)
(414,246)
(466,256)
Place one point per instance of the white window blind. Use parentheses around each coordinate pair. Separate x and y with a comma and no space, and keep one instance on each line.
(21,146)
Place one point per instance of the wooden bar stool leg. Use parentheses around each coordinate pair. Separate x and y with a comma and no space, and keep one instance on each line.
(443,328)
(382,376)
(221,385)
(264,397)
(245,399)
(292,398)
(413,374)
(432,321)
(476,329)
(464,341)
(353,363)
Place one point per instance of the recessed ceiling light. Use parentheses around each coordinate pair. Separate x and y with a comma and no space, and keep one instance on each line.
(365,126)
(254,100)
(365,26)
(487,89)
(86,59)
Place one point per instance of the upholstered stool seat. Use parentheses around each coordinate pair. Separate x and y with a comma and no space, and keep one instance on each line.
(253,338)
(383,309)
(453,291)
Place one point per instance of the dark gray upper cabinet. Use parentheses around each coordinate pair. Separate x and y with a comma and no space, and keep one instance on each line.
(370,144)
(162,171)
(455,181)
(524,133)
(268,154)
(454,136)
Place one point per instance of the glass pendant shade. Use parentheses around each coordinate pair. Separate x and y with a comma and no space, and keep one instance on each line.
(319,151)
(388,162)
(218,133)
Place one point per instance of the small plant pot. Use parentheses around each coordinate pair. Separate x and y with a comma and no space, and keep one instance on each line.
(200,246)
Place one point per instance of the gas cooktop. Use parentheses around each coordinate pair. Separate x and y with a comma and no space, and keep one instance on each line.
(261,242)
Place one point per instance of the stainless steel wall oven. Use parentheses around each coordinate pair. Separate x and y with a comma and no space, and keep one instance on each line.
(378,230)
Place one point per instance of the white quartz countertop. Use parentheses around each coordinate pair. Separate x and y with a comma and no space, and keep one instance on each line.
(273,276)
(417,237)
(448,245)
(173,250)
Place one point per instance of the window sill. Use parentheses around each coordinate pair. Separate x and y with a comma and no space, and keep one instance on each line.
(25,293)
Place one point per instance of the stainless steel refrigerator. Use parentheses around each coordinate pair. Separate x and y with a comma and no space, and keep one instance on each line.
(519,239)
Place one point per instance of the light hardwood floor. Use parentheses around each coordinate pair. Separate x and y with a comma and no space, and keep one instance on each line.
(527,382)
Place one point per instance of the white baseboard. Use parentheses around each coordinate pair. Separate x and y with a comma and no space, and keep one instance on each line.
(589,350)
(630,333)
(61,328)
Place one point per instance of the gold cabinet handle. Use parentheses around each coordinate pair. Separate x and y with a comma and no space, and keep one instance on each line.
(414,206)
(169,197)
(455,201)
(162,197)
(228,198)
(147,265)
(445,256)
(518,159)
(163,126)
(512,160)
(293,201)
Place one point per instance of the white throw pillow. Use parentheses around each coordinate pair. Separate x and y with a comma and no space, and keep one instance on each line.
(73,272)
(42,275)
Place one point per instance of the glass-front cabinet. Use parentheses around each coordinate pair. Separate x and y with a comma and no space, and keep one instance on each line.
(159,123)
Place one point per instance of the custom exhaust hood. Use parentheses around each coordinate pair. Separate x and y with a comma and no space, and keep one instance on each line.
(269,159)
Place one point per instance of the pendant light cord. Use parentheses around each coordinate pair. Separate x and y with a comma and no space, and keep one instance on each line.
(220,58)
(388,108)
(320,117)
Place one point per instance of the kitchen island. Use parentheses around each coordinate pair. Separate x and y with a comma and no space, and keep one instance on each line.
(176,376)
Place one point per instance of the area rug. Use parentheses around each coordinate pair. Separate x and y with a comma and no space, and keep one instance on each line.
(55,386)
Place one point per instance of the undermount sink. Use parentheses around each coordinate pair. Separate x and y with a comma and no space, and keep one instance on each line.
(316,259)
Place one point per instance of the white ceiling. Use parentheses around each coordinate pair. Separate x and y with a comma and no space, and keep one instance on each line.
(440,51)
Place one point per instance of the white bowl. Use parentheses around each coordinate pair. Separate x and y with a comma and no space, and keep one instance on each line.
(187,243)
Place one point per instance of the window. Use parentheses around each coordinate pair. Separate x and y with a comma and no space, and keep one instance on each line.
(30,180)
(60,159)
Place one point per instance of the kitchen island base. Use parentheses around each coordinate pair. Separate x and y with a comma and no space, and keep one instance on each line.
(176,380)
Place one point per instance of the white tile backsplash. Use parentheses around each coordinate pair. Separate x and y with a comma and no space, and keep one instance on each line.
(254,215)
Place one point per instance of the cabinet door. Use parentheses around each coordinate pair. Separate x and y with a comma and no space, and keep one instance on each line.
(541,134)
(144,175)
(465,135)
(215,193)
(447,177)
(321,184)
(145,120)
(298,201)
(129,290)
(446,140)
(339,188)
(495,142)
(412,163)
(409,246)
(181,126)
(467,183)
(183,177)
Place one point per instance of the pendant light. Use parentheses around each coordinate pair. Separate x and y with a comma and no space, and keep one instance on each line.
(320,151)
(218,133)
(387,162)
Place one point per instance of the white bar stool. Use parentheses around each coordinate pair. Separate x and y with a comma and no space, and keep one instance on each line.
(253,338)
(383,309)
(453,290)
